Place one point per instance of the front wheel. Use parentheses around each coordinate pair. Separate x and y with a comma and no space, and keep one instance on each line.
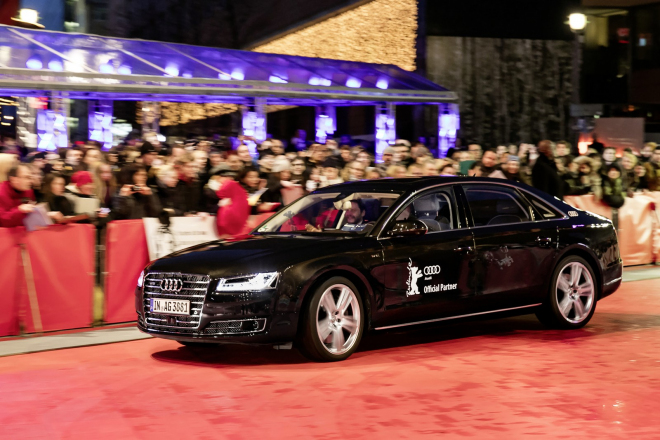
(572,298)
(333,321)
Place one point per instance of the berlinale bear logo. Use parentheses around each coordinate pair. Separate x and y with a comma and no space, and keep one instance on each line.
(413,275)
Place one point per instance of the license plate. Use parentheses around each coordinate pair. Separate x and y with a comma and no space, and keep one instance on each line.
(170,306)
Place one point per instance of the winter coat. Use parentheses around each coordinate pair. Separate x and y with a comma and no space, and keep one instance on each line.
(546,178)
(187,196)
(652,176)
(60,204)
(231,219)
(613,192)
(169,199)
(10,200)
(135,206)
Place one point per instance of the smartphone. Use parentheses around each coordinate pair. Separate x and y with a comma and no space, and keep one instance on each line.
(104,210)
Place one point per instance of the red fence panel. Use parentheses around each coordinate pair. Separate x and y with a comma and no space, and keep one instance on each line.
(62,262)
(11,276)
(126,254)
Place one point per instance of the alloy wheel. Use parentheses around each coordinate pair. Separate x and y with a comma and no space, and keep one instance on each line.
(338,319)
(575,292)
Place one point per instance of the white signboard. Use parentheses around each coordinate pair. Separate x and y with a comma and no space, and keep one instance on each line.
(183,232)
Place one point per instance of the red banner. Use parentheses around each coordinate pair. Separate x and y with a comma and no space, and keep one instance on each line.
(13,282)
(126,254)
(62,266)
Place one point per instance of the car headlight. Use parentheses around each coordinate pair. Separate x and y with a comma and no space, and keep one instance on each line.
(258,281)
(140,279)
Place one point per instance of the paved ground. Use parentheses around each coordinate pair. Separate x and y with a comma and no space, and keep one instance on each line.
(494,379)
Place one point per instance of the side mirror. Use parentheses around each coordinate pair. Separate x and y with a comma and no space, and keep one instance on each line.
(408,227)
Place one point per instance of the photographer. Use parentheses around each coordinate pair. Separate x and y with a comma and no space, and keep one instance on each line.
(136,200)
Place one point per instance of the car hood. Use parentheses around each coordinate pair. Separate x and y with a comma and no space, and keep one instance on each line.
(252,254)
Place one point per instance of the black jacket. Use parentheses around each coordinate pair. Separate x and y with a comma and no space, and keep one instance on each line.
(135,206)
(546,178)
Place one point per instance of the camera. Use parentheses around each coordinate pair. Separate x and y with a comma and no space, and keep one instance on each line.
(136,188)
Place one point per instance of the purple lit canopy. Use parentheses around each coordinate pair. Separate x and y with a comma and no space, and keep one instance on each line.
(33,63)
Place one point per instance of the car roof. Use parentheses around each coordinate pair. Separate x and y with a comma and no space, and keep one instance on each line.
(408,183)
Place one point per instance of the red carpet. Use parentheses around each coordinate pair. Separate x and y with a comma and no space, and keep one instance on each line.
(506,379)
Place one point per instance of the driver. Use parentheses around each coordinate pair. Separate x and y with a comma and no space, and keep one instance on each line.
(354,219)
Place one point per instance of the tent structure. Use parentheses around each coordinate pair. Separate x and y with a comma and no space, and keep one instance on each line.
(52,64)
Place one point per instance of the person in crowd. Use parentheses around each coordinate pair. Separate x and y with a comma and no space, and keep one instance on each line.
(54,190)
(233,208)
(448,169)
(188,188)
(609,157)
(234,162)
(586,179)
(72,162)
(17,199)
(511,169)
(500,150)
(647,151)
(299,141)
(373,173)
(612,186)
(431,168)
(475,169)
(314,180)
(415,170)
(544,173)
(475,151)
(331,168)
(105,184)
(402,156)
(82,187)
(166,191)
(641,183)
(215,159)
(243,153)
(266,161)
(364,158)
(563,151)
(135,200)
(397,171)
(299,172)
(277,147)
(628,163)
(598,146)
(421,154)
(317,155)
(37,182)
(489,165)
(387,159)
(7,161)
(91,158)
(279,178)
(653,170)
(353,171)
(346,155)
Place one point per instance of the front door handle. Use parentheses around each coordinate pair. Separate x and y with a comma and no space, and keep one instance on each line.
(467,249)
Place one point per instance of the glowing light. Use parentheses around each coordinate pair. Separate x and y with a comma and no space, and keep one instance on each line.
(51,130)
(56,65)
(187,75)
(34,63)
(317,81)
(106,68)
(382,83)
(277,79)
(326,124)
(224,76)
(172,69)
(385,130)
(448,124)
(124,69)
(577,21)
(238,75)
(353,83)
(28,15)
(100,122)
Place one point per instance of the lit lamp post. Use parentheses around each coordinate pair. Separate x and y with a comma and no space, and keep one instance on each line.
(577,22)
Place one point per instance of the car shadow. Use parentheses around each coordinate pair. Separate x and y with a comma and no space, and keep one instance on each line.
(523,327)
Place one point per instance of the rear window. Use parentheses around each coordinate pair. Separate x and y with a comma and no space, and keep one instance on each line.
(496,205)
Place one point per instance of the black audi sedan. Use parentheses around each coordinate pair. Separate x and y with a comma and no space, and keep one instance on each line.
(379,254)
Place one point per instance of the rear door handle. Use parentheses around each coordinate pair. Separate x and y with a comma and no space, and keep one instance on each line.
(543,240)
(467,249)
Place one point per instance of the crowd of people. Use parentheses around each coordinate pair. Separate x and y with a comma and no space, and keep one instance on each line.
(146,178)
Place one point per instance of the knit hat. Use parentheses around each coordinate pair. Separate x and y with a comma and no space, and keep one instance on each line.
(389,150)
(81,178)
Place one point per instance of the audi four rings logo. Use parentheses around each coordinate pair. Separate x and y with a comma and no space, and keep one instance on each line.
(171,285)
(432,270)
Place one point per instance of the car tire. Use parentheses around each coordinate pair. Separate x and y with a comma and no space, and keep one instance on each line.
(571,300)
(333,321)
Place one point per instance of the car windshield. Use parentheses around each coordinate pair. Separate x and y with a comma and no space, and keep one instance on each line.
(335,212)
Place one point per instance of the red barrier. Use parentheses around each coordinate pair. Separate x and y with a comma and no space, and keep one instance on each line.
(126,254)
(62,262)
(13,282)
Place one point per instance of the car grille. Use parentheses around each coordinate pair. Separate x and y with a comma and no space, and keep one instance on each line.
(193,288)
(235,327)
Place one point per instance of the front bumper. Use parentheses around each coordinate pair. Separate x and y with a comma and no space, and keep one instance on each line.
(237,317)
(612,277)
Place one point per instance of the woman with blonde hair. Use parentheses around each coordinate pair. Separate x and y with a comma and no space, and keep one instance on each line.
(105,184)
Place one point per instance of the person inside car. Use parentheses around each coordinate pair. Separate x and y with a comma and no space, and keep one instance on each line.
(354,219)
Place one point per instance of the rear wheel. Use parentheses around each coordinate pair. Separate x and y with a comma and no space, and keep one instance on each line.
(333,321)
(572,298)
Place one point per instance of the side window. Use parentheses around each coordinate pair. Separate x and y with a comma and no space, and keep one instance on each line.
(437,210)
(496,205)
(547,213)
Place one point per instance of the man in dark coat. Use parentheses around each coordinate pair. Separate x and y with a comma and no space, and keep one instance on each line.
(544,174)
